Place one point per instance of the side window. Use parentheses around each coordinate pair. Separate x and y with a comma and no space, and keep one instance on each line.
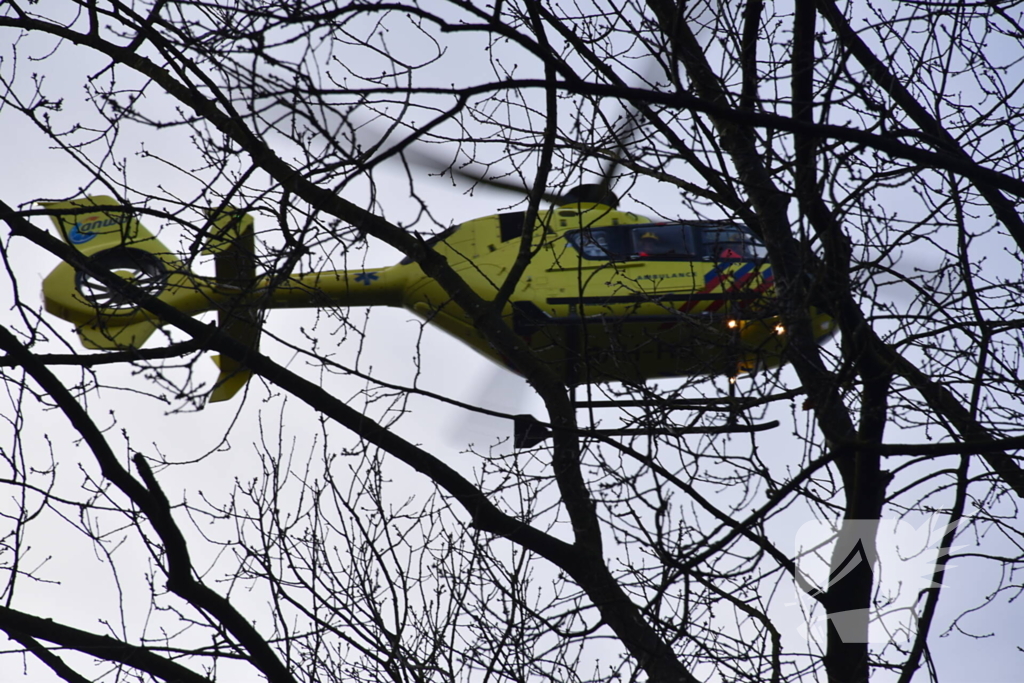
(732,242)
(667,242)
(660,241)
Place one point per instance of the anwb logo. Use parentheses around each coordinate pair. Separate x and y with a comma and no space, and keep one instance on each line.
(902,558)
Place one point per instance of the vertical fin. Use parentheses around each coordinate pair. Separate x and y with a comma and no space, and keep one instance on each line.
(232,242)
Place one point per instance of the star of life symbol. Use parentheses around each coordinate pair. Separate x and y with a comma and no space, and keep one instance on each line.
(903,560)
(367,277)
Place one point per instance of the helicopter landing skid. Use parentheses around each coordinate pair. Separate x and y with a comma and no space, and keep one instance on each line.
(528,431)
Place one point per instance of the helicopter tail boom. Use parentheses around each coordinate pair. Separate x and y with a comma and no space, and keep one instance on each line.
(111,238)
(340,288)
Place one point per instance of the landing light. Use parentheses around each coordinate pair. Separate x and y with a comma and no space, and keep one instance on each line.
(779,329)
(732,324)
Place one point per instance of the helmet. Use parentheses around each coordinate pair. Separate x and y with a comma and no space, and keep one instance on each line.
(650,236)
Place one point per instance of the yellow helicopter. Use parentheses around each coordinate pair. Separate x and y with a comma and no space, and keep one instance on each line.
(609,295)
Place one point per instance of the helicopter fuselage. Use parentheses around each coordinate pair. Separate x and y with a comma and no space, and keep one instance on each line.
(596,307)
(607,295)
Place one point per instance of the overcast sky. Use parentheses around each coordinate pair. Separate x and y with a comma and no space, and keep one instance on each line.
(385,346)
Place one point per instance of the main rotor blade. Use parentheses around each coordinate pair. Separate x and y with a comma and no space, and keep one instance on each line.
(624,137)
(475,175)
(626,133)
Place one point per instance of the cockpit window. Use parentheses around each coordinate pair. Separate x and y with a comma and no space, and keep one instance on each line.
(595,244)
(668,241)
(601,244)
